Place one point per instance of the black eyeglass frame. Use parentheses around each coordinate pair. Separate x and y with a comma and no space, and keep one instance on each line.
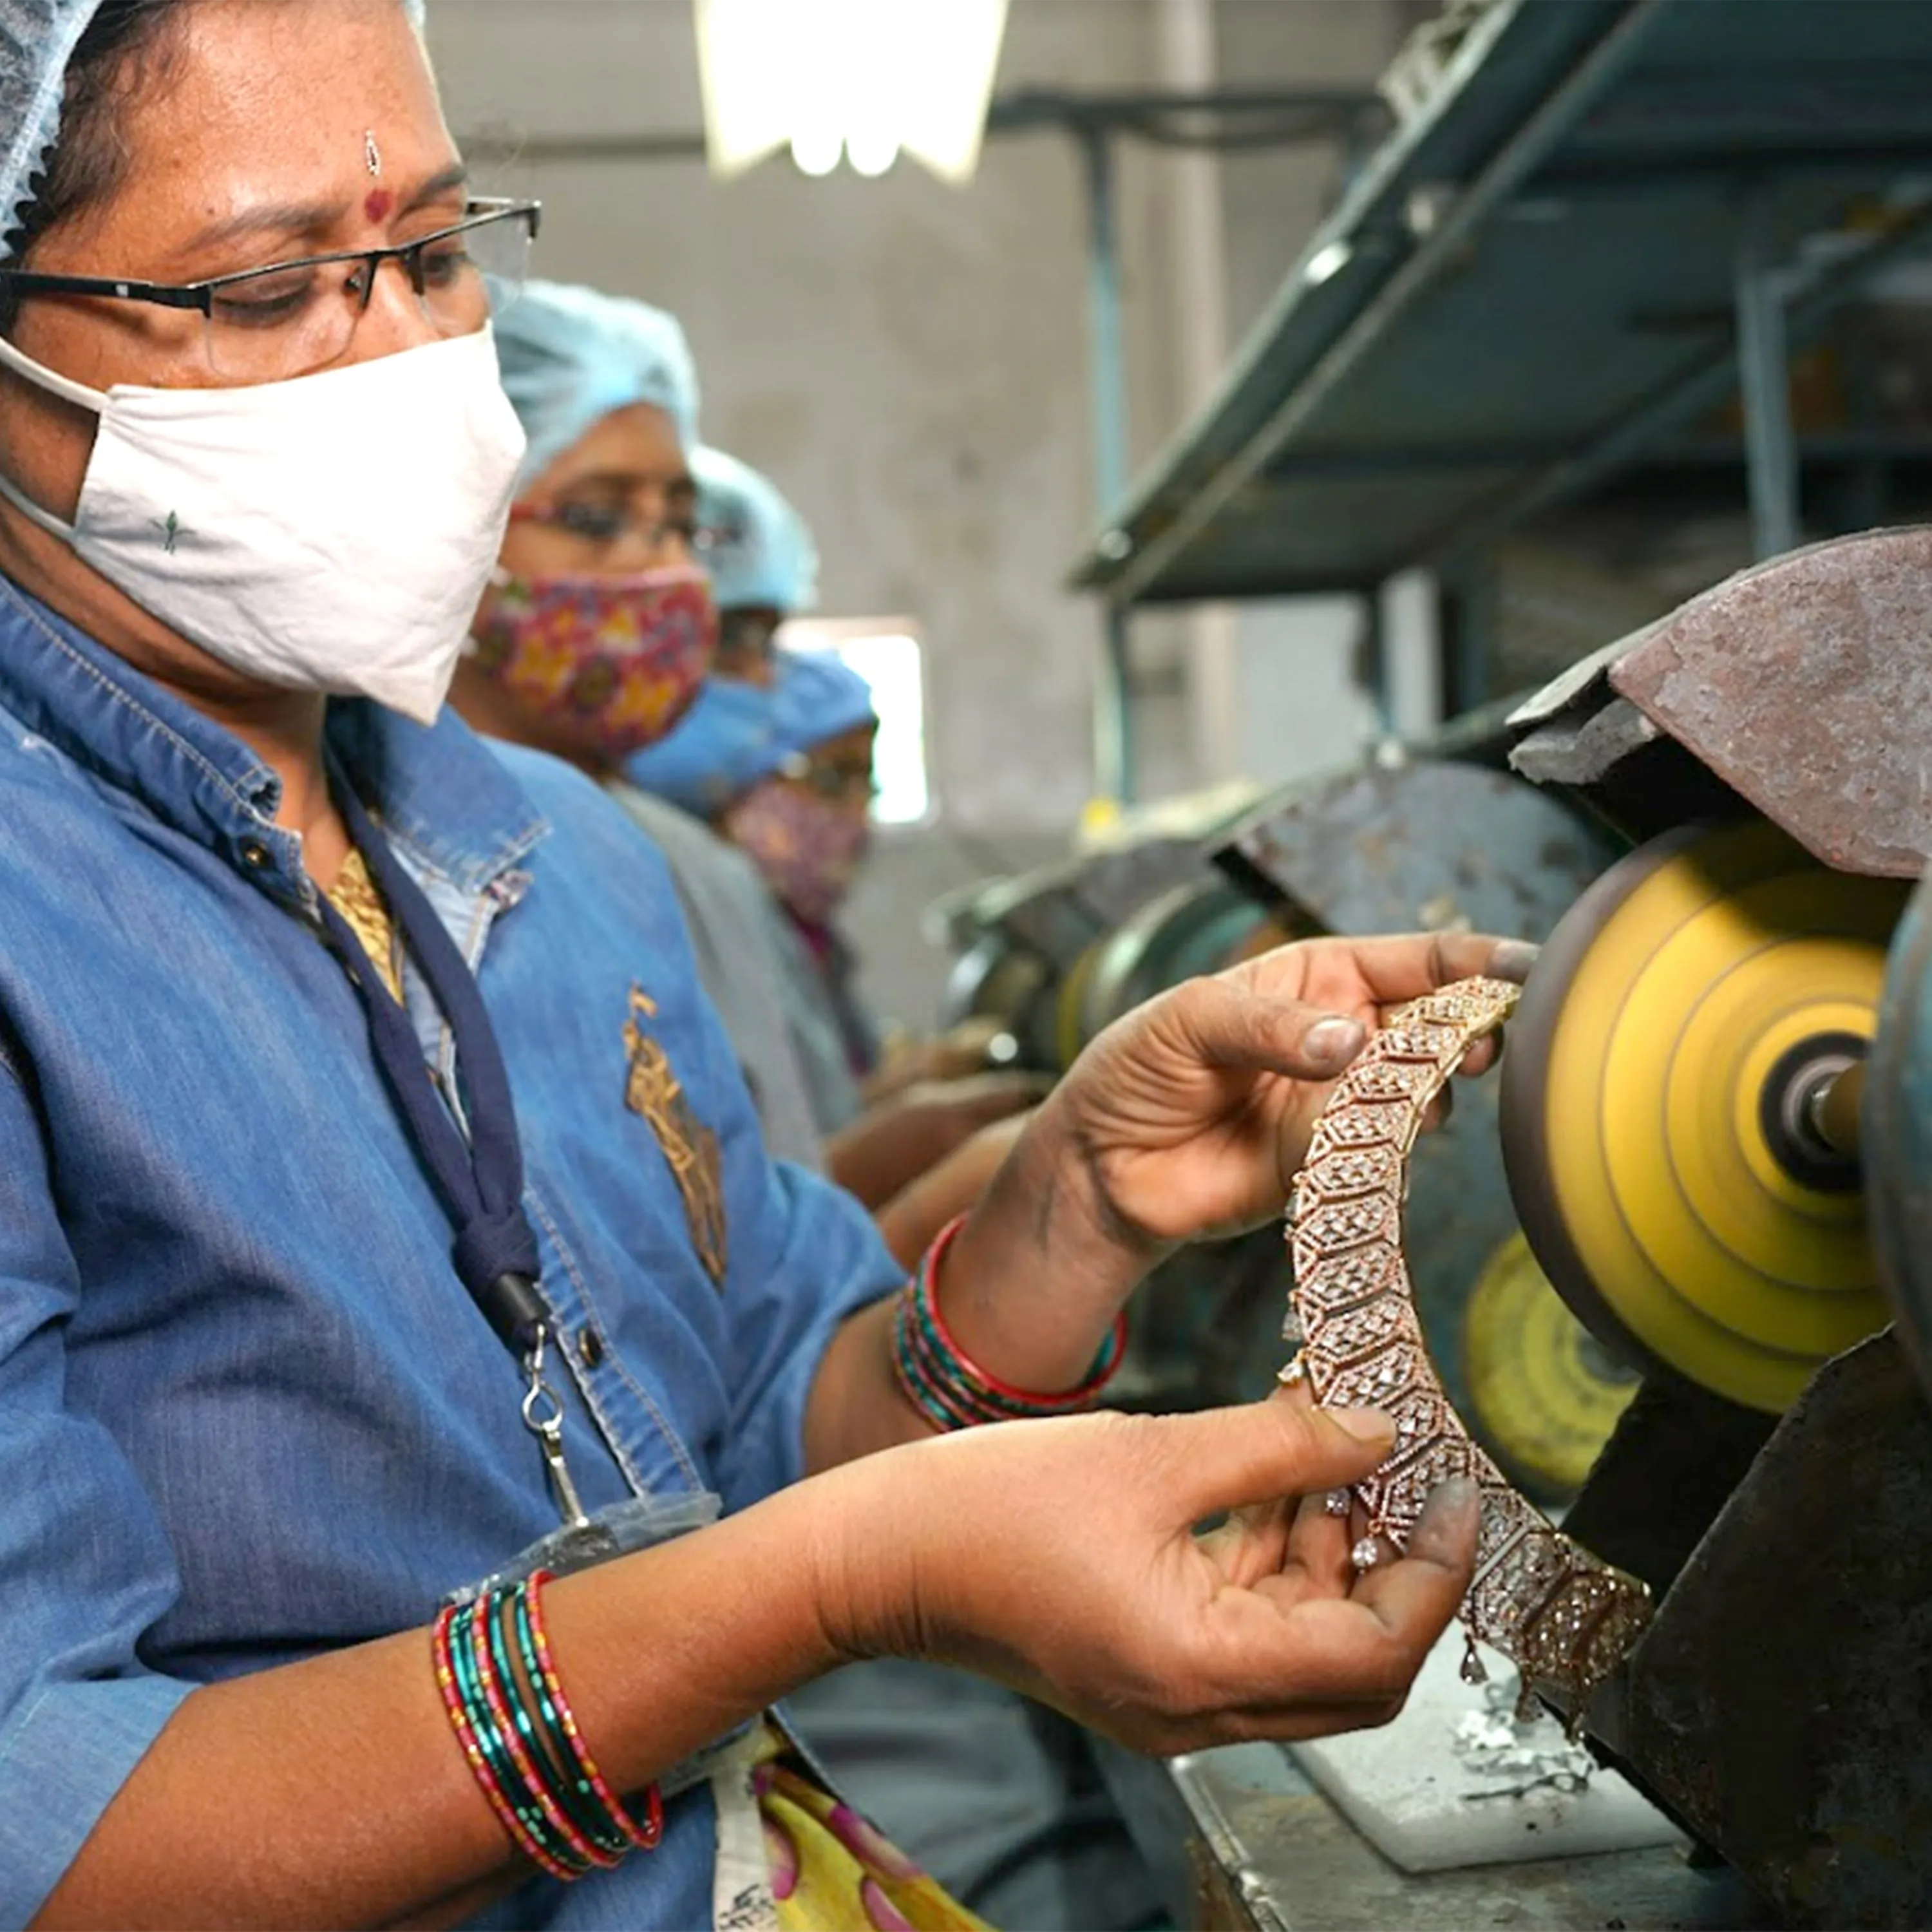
(483,211)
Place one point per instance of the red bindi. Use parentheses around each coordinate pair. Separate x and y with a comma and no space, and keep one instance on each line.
(379,204)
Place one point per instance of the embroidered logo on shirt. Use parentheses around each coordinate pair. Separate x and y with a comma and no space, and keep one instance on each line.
(691,1149)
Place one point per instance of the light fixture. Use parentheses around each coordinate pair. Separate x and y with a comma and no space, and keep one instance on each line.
(864,80)
(818,151)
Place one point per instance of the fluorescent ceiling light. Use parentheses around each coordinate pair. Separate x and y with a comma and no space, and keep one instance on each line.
(867,79)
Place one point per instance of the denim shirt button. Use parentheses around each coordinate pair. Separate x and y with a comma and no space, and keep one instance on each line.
(256,855)
(589,1346)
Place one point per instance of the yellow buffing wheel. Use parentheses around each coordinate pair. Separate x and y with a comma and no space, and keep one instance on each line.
(1068,1038)
(1544,1393)
(1652,1108)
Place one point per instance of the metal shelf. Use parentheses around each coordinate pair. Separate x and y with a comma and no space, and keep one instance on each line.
(1539,283)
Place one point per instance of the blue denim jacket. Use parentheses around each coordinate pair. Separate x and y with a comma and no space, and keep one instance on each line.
(247,1411)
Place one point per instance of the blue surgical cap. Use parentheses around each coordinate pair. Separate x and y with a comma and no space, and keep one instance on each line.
(37,40)
(817,696)
(737,734)
(722,746)
(570,356)
(760,556)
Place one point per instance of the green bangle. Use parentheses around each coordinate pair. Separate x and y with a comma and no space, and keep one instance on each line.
(496,1752)
(568,1795)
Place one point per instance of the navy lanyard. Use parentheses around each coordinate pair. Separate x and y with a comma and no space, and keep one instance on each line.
(481,1179)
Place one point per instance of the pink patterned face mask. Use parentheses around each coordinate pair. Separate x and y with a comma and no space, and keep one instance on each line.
(613,661)
(809,849)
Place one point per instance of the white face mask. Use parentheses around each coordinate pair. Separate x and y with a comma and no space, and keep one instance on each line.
(332,533)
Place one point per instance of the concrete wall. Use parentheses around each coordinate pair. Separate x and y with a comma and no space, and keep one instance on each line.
(908,360)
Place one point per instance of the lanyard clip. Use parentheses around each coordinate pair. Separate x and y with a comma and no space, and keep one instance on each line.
(543,1417)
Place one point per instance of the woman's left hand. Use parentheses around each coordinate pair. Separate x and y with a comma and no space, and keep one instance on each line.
(1191,1116)
(1185,1121)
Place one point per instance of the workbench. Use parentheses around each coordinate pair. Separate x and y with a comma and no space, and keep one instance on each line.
(1241,1841)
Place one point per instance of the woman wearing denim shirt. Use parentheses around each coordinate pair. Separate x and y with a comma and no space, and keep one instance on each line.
(254,1426)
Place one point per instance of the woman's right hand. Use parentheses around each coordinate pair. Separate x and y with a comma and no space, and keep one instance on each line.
(1061,1558)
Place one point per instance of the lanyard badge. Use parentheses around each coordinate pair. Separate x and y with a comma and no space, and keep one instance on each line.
(543,1417)
(481,1177)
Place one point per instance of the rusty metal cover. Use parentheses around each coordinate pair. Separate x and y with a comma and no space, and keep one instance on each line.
(1805,684)
(1392,849)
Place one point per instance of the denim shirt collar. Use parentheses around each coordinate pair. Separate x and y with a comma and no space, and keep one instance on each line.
(439,791)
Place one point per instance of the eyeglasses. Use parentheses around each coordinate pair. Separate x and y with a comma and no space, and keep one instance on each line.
(292,318)
(604,523)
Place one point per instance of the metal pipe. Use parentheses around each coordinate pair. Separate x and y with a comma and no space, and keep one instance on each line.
(1764,372)
(1113,714)
(1706,386)
(1114,774)
(1834,1111)
(1519,158)
(1026,111)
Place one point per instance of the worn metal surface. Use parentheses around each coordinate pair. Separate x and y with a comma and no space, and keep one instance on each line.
(1423,845)
(1060,911)
(1805,684)
(1018,941)
(1897,1137)
(1779,1703)
(1196,928)
(1245,1843)
(1675,1458)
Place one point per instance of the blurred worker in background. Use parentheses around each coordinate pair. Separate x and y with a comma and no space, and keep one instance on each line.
(596,638)
(778,754)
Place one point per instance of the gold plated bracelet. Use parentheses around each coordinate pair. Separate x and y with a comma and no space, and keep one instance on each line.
(1566,1617)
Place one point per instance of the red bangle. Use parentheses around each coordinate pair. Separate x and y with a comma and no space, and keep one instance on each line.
(472,1751)
(646,1836)
(519,1752)
(924,1290)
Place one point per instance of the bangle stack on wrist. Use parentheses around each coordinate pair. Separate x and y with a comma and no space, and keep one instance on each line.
(951,1390)
(517,1728)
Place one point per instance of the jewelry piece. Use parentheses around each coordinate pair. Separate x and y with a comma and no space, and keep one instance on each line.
(1339,1502)
(1366,1554)
(372,155)
(1565,1616)
(1294,1371)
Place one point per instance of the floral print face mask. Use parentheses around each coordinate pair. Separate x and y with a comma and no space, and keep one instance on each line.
(809,849)
(611,662)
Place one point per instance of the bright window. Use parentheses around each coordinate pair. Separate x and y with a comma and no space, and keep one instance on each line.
(887,653)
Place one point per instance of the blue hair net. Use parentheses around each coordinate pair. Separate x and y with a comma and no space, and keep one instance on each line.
(571,355)
(817,696)
(722,746)
(37,39)
(761,557)
(737,734)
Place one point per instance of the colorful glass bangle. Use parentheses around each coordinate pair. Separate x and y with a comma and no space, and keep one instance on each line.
(534,1718)
(950,1389)
(455,1705)
(496,1696)
(926,1393)
(536,1809)
(529,1828)
(616,1826)
(646,1836)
